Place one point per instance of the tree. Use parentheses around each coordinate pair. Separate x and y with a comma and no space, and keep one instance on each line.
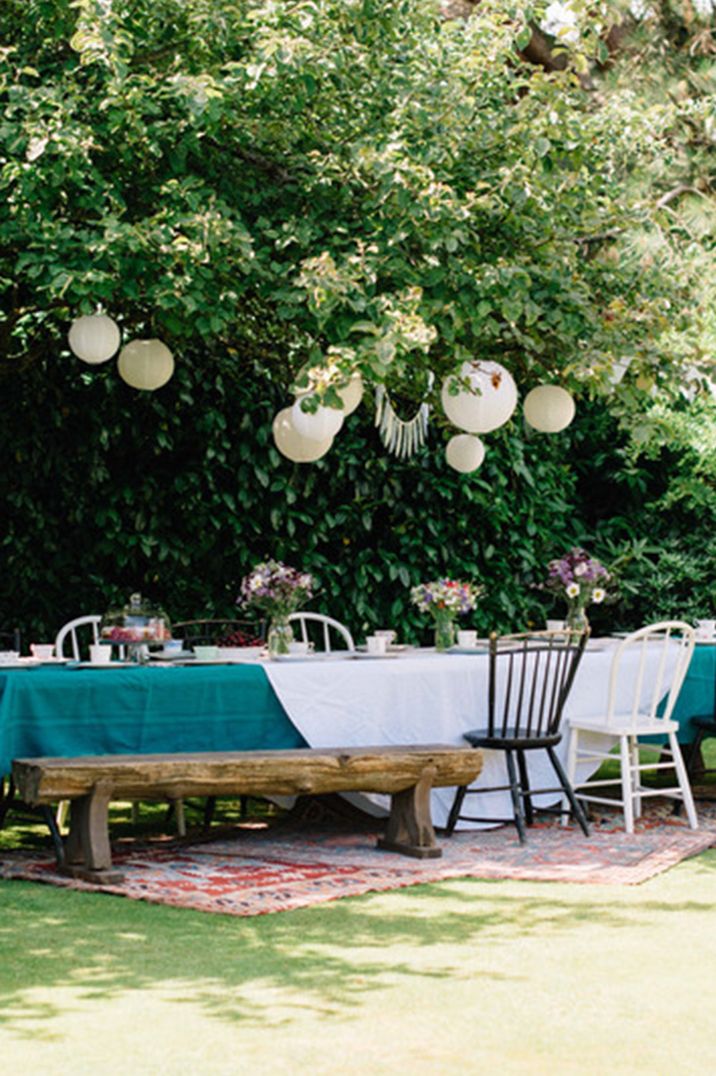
(358,183)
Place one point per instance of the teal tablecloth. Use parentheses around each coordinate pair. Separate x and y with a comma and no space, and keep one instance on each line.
(697,697)
(138,710)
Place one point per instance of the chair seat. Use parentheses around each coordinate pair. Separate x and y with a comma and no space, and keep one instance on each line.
(511,741)
(622,724)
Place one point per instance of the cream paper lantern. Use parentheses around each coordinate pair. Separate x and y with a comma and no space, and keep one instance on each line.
(464,452)
(145,364)
(317,425)
(491,406)
(293,445)
(549,408)
(94,338)
(351,394)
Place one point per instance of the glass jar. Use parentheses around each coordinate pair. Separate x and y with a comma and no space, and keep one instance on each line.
(280,637)
(444,630)
(137,622)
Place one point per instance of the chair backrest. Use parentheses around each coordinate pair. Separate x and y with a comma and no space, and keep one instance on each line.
(648,660)
(69,632)
(326,625)
(530,679)
(220,632)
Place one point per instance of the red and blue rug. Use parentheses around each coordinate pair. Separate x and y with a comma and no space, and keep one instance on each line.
(255,871)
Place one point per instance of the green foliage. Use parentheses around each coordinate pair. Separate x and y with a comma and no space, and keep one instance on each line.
(180,493)
(360,180)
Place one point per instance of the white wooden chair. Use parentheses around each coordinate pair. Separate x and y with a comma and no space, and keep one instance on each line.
(328,625)
(68,634)
(675,641)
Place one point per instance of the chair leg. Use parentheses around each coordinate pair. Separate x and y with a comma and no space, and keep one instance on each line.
(683,780)
(516,797)
(525,782)
(627,794)
(572,745)
(577,809)
(455,810)
(694,755)
(63,811)
(636,787)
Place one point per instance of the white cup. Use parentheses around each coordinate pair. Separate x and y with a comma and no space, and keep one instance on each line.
(556,625)
(376,644)
(300,647)
(467,638)
(206,653)
(99,653)
(173,646)
(43,651)
(706,629)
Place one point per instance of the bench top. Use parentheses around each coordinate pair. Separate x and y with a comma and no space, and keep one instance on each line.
(294,772)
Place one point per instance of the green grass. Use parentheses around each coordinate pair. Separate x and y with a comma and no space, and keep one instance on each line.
(467,975)
(482,976)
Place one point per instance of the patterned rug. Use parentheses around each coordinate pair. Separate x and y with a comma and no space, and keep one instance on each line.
(258,870)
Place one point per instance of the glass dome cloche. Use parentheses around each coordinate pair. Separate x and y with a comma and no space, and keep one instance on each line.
(138,622)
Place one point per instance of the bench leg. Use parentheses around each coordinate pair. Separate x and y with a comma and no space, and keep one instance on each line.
(410,827)
(88,854)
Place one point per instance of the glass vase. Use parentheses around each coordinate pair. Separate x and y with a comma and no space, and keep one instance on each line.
(577,618)
(280,637)
(444,632)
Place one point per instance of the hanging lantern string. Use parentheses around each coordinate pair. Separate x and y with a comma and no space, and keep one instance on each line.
(402,438)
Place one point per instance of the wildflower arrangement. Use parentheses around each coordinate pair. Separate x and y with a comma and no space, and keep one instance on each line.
(578,578)
(445,596)
(276,589)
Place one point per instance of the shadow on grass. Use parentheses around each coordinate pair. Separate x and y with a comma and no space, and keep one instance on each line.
(260,971)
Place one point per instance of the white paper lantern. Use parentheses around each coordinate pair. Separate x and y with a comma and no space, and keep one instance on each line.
(491,407)
(352,394)
(549,408)
(146,364)
(317,425)
(293,445)
(464,452)
(94,338)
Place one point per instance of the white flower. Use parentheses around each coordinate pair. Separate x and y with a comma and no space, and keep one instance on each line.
(580,569)
(598,595)
(573,590)
(561,21)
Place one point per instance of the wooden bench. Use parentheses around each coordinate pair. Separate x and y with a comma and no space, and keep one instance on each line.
(407,774)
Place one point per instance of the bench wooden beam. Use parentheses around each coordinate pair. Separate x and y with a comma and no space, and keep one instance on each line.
(406,773)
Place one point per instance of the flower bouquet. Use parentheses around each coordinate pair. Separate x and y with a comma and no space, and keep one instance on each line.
(277,590)
(581,580)
(445,599)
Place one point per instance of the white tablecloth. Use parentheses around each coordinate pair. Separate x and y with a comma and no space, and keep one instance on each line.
(424,697)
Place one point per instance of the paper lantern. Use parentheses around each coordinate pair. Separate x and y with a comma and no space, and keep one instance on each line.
(94,338)
(293,445)
(491,406)
(464,452)
(549,408)
(317,425)
(352,394)
(146,364)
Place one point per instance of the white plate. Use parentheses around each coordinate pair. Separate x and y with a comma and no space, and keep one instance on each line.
(175,655)
(102,665)
(365,654)
(21,663)
(481,648)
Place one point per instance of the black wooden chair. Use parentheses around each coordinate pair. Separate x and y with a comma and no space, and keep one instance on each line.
(220,632)
(530,678)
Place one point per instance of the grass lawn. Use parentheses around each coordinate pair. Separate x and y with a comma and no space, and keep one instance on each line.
(509,977)
(479,976)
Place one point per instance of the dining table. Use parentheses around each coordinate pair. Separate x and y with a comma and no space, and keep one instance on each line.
(341,699)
